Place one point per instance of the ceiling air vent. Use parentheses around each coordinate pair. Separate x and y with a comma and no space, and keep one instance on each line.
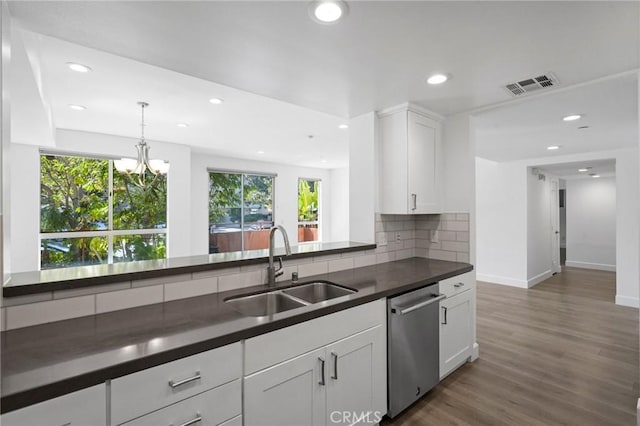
(529,85)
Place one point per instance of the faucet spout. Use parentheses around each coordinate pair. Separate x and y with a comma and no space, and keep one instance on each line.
(272,271)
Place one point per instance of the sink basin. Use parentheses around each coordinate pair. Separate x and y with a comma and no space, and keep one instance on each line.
(319,291)
(262,304)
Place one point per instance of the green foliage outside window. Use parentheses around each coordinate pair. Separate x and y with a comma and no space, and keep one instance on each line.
(74,197)
(307,200)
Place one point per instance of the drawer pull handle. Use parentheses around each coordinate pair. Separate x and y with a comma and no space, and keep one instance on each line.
(444,312)
(458,285)
(322,381)
(335,365)
(193,421)
(185,381)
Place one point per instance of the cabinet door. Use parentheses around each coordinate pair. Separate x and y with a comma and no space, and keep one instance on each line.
(289,393)
(356,388)
(423,164)
(85,407)
(456,330)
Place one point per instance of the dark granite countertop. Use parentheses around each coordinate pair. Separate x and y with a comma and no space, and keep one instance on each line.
(49,360)
(23,283)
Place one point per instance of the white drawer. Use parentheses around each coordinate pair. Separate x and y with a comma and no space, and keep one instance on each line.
(458,284)
(85,407)
(218,406)
(272,348)
(148,390)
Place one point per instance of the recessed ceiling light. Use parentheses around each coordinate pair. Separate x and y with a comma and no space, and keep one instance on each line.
(77,107)
(216,101)
(553,147)
(78,67)
(584,170)
(323,161)
(595,176)
(437,79)
(572,117)
(327,11)
(260,152)
(343,126)
(182,125)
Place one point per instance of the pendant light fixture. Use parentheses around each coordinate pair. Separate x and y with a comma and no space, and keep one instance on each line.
(136,168)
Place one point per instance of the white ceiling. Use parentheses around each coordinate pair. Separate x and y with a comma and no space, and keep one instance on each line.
(524,130)
(284,77)
(604,168)
(377,57)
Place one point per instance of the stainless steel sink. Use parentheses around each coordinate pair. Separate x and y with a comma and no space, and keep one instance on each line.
(276,301)
(263,304)
(319,291)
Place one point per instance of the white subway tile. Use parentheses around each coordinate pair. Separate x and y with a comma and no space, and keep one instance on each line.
(257,267)
(462,216)
(184,289)
(423,234)
(404,254)
(124,299)
(455,246)
(215,273)
(83,291)
(287,271)
(386,257)
(352,254)
(455,226)
(366,260)
(27,298)
(246,279)
(52,310)
(327,258)
(409,244)
(423,243)
(446,235)
(462,236)
(442,255)
(421,252)
(166,279)
(448,216)
(340,265)
(315,268)
(462,257)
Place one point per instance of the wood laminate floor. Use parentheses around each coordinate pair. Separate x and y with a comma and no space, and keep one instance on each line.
(560,353)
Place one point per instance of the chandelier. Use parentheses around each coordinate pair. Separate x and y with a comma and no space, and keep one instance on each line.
(136,169)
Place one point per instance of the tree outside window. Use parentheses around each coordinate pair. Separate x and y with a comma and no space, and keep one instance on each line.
(308,208)
(240,211)
(91,214)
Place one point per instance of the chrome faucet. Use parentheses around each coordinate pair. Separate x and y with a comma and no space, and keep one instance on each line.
(271,270)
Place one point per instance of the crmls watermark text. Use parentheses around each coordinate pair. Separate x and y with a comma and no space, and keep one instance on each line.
(351,417)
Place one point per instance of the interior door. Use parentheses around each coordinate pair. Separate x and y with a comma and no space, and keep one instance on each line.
(555,226)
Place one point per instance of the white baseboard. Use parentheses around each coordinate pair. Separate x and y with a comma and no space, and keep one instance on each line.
(588,265)
(627,301)
(475,352)
(539,278)
(494,279)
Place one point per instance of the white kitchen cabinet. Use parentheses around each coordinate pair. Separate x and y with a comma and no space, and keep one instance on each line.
(85,407)
(456,330)
(410,161)
(342,370)
(215,407)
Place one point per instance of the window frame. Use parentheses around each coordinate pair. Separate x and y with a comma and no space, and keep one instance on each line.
(109,233)
(273,177)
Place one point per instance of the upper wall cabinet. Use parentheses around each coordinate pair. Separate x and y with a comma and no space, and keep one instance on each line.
(410,161)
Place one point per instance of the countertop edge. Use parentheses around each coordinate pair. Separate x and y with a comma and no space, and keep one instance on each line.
(9,290)
(22,399)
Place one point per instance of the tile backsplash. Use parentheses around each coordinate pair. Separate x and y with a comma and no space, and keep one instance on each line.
(444,236)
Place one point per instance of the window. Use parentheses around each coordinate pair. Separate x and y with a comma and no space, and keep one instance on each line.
(91,214)
(240,211)
(308,206)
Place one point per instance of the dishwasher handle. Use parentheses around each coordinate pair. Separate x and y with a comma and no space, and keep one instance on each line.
(432,299)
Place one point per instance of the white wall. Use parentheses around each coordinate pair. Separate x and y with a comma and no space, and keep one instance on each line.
(362,178)
(187,192)
(591,223)
(538,228)
(460,171)
(501,205)
(5,139)
(339,204)
(501,222)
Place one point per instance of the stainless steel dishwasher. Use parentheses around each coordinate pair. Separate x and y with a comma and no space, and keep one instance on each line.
(413,346)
